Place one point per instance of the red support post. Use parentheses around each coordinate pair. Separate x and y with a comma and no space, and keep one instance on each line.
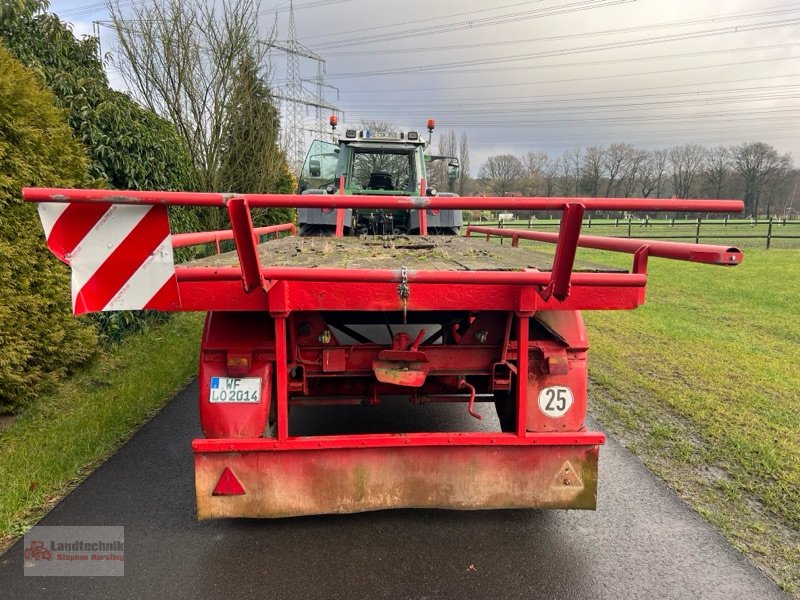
(339,222)
(423,212)
(340,211)
(567,246)
(245,239)
(522,375)
(281,378)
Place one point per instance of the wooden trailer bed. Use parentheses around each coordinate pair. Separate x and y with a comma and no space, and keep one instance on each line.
(432,253)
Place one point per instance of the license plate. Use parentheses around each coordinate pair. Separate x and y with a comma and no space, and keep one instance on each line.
(235,389)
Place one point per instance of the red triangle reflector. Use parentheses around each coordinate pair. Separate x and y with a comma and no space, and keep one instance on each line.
(228,485)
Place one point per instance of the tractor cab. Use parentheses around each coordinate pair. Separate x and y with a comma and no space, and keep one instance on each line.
(373,163)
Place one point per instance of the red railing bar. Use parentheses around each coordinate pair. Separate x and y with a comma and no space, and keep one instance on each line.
(702,253)
(413,276)
(182,240)
(365,201)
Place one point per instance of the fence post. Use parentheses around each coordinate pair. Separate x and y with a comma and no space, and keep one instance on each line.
(697,233)
(616,222)
(769,233)
(726,220)
(589,224)
(630,220)
(530,222)
(500,226)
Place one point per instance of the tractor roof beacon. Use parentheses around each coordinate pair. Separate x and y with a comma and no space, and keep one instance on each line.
(383,316)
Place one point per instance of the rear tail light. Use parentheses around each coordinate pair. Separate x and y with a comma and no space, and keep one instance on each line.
(238,365)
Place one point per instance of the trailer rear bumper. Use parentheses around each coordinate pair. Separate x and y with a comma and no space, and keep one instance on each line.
(271,482)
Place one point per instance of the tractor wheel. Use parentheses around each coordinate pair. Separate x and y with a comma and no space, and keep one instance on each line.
(317,231)
(446,231)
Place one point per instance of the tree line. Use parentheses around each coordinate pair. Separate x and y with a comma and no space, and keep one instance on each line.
(755,172)
(201,117)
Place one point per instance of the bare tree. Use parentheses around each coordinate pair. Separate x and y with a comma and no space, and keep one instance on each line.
(570,166)
(686,162)
(503,171)
(616,162)
(463,160)
(717,170)
(550,176)
(592,171)
(632,176)
(180,59)
(652,173)
(760,166)
(533,166)
(437,171)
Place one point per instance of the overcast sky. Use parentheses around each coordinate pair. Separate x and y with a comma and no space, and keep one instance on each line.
(550,74)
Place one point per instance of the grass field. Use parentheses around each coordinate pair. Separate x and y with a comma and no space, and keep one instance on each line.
(703,382)
(64,436)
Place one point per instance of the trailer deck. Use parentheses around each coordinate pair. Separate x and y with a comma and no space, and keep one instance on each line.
(432,253)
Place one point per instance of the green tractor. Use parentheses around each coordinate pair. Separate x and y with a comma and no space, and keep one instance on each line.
(375,163)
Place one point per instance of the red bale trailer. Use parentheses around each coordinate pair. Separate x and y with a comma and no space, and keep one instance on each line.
(358,319)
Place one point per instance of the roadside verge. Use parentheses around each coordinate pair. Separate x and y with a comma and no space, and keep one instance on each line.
(57,443)
(702,384)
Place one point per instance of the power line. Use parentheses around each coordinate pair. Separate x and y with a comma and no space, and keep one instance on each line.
(596,63)
(427,20)
(624,30)
(739,63)
(626,120)
(93,7)
(545,98)
(580,6)
(452,67)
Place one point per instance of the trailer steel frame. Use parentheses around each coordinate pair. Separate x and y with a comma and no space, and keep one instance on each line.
(538,468)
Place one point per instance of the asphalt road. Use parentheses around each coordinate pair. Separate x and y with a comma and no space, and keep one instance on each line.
(642,542)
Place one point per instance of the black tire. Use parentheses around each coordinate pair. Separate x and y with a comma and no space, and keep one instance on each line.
(505,403)
(317,231)
(444,231)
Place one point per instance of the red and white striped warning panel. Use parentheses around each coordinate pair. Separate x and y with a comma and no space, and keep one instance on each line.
(120,255)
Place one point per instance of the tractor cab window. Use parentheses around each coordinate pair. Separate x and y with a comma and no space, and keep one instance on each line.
(384,169)
(319,168)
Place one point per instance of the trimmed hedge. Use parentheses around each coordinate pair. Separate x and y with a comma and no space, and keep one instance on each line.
(39,338)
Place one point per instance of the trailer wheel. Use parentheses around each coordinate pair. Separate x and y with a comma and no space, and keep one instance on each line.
(505,403)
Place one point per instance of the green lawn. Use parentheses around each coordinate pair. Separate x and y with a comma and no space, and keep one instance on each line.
(65,435)
(703,382)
